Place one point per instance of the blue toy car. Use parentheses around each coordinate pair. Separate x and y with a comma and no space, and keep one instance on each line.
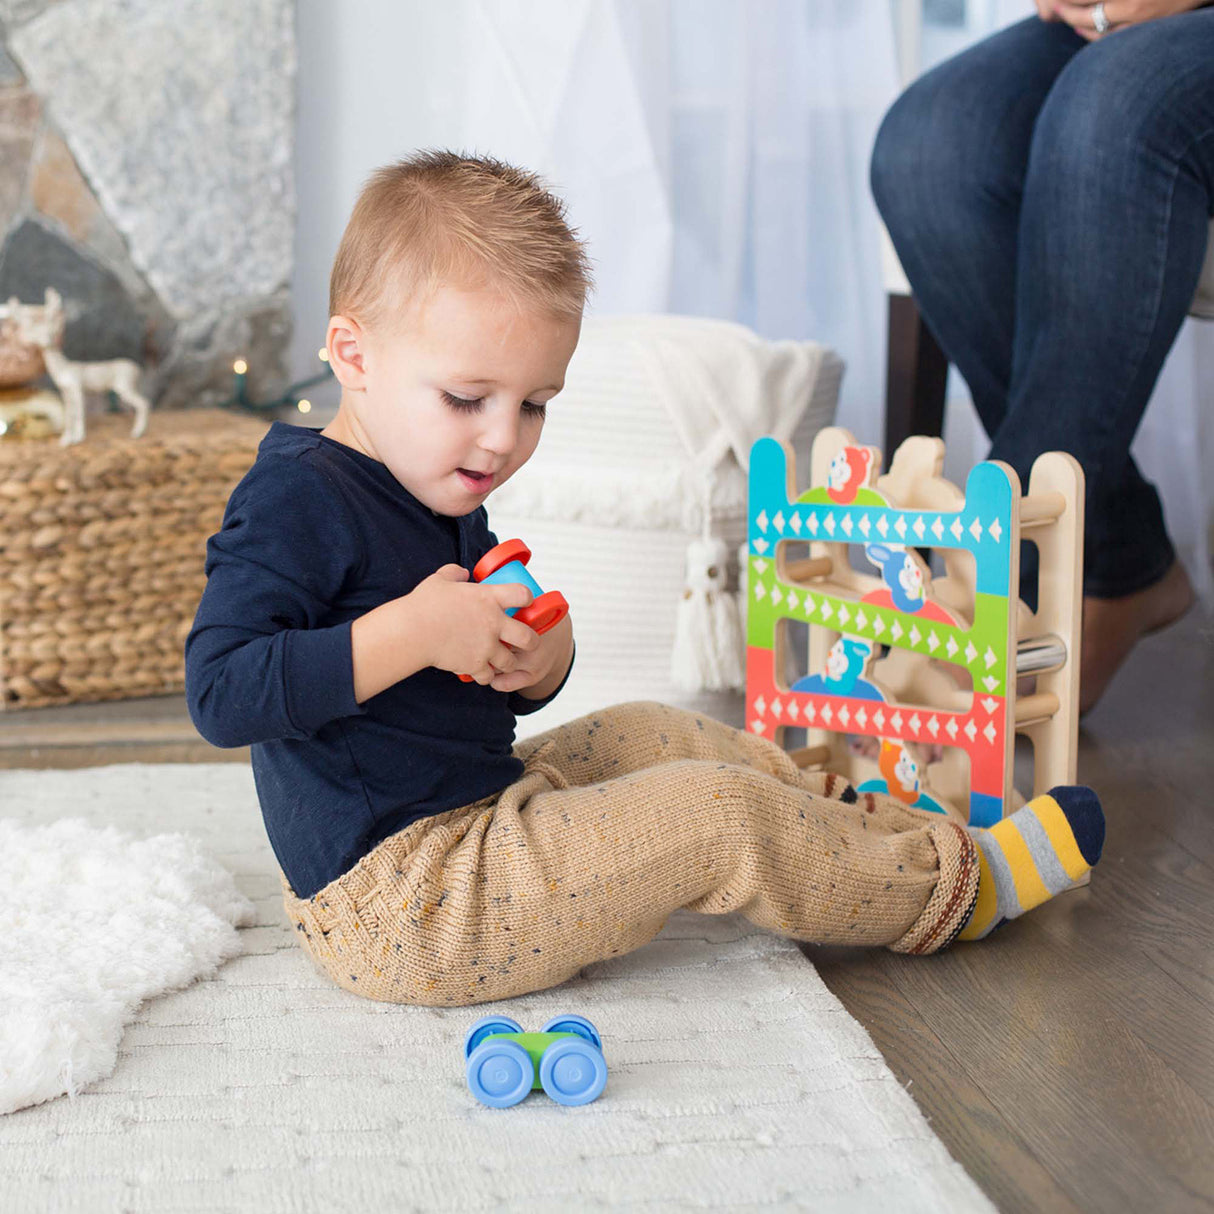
(565,1058)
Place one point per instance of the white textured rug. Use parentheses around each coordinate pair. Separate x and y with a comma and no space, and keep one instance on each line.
(736,1080)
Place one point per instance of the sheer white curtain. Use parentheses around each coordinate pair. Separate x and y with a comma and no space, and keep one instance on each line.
(715,153)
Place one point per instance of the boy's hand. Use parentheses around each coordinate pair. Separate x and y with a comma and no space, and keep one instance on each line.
(543,665)
(466,628)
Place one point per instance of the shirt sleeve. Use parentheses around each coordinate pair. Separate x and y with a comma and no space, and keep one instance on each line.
(262,659)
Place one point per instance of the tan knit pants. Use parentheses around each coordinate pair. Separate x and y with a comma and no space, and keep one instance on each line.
(620,818)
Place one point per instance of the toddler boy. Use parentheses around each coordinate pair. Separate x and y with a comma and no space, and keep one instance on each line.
(425,857)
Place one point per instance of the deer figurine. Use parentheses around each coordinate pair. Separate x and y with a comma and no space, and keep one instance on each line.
(75,379)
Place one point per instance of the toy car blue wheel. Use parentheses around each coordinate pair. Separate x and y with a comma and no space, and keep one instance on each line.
(573,1071)
(569,1023)
(500,1073)
(486,1025)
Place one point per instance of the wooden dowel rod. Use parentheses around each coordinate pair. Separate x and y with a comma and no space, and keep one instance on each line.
(807,567)
(1041,508)
(1037,707)
(810,756)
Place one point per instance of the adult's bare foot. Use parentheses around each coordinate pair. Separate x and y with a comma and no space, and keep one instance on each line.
(1112,627)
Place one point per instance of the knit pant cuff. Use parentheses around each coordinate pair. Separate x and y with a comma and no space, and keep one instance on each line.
(952,902)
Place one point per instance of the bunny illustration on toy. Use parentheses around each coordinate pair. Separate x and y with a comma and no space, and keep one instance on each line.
(844,672)
(904,573)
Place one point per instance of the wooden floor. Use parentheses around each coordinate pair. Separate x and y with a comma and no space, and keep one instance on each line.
(1068,1060)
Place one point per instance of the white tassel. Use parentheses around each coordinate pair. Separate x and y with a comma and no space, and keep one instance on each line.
(709,649)
(743,582)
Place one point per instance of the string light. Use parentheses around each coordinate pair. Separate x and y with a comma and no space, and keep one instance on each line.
(240,400)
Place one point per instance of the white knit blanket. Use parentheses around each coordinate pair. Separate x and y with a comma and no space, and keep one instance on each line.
(722,385)
(652,410)
(736,1080)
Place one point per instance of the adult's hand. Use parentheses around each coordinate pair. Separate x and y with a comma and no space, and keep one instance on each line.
(1119,13)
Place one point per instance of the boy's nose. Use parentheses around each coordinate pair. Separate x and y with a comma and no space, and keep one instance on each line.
(501,432)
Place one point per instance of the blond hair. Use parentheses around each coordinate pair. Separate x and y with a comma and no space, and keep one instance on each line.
(441,216)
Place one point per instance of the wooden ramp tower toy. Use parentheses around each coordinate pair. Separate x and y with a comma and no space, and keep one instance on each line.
(926,666)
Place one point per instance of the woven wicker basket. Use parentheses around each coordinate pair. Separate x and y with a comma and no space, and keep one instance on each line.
(102,547)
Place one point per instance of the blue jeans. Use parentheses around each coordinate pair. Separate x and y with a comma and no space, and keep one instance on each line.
(1050,202)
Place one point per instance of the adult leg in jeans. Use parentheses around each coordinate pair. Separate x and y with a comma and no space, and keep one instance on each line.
(948,171)
(1000,241)
(1113,228)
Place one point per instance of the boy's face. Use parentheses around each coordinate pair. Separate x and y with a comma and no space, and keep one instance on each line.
(458,391)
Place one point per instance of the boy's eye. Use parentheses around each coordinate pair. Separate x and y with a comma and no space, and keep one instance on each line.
(472,404)
(467,404)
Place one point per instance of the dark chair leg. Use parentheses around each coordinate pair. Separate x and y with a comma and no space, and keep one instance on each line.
(916,373)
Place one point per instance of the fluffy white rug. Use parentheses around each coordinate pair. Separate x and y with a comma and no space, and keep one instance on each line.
(93,923)
(736,1080)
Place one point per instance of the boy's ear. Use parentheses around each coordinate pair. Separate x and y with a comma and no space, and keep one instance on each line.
(345,341)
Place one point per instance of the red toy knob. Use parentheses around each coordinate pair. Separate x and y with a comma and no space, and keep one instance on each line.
(499,557)
(545,612)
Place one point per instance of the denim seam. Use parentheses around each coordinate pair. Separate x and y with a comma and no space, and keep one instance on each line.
(1152,313)
(1161,260)
(1162,252)
(1142,581)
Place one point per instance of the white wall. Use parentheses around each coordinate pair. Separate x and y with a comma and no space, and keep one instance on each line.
(360,105)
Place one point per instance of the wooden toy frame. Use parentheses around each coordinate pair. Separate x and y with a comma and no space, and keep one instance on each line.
(969,617)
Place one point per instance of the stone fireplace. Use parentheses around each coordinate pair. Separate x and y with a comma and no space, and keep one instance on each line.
(146,174)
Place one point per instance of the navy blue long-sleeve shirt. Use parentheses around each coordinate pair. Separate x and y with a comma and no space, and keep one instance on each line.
(314,536)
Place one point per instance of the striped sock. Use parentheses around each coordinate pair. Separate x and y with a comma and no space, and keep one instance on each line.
(1033,854)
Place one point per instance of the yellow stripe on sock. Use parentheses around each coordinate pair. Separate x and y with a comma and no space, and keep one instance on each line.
(1049,814)
(986,904)
(1030,889)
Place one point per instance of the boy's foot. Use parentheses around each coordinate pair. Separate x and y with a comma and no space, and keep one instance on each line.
(1045,847)
(1112,627)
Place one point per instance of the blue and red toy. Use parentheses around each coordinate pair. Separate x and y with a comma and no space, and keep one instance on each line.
(565,1059)
(506,563)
